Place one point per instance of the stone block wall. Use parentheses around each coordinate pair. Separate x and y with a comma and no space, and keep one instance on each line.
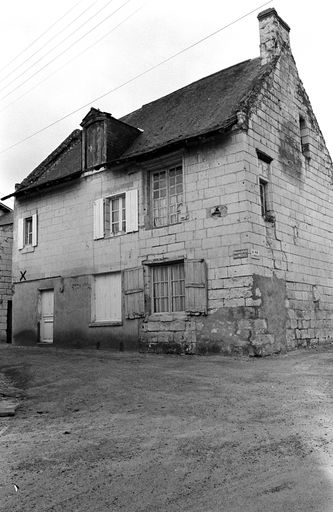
(297,247)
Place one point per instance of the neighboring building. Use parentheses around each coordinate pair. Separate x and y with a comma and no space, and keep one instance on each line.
(6,244)
(201,222)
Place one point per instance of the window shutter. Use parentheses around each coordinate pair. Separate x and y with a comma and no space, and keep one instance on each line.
(20,234)
(195,287)
(34,230)
(132,211)
(107,223)
(98,219)
(134,293)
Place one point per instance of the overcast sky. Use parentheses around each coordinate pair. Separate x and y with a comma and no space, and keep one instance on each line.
(35,92)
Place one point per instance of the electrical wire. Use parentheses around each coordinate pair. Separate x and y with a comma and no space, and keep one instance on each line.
(148,70)
(71,60)
(39,37)
(54,48)
(39,49)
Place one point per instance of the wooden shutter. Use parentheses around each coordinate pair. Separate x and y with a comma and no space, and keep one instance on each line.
(134,293)
(20,233)
(108,297)
(98,219)
(34,230)
(195,287)
(132,223)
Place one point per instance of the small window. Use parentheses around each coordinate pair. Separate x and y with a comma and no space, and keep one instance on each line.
(263,186)
(167,196)
(168,288)
(304,137)
(28,231)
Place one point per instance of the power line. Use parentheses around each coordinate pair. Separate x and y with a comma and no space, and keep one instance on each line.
(39,37)
(136,76)
(65,50)
(74,58)
(39,49)
(51,50)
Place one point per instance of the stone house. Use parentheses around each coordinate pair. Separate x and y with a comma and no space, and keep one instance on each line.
(6,243)
(201,222)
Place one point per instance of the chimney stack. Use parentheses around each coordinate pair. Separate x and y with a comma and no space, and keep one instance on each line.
(274,35)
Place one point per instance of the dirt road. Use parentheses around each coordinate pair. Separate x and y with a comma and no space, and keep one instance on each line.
(100,431)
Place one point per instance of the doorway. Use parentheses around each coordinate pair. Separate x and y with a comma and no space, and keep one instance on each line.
(47,312)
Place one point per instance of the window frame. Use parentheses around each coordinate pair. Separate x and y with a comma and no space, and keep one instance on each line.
(263,192)
(264,184)
(27,231)
(168,207)
(170,297)
(27,236)
(108,211)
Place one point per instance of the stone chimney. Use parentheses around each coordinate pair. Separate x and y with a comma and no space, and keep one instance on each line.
(274,35)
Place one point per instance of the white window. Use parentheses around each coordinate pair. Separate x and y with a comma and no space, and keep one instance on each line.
(166,196)
(116,214)
(27,231)
(107,298)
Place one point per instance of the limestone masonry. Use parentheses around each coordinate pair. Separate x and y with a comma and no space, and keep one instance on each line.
(187,226)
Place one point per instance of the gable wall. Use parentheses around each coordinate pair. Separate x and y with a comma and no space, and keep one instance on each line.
(298,248)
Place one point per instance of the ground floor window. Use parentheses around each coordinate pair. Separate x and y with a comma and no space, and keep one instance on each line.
(107,298)
(168,288)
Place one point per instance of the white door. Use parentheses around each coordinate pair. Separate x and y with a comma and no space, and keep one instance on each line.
(47,307)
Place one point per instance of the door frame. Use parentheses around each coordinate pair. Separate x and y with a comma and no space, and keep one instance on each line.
(40,311)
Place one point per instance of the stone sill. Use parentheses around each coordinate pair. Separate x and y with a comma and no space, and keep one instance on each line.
(167,317)
(105,324)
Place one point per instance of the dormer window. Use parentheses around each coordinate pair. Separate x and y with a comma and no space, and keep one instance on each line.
(104,139)
(95,145)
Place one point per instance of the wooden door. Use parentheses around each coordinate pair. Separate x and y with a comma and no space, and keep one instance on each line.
(47,309)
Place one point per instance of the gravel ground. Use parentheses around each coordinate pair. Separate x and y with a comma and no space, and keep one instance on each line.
(101,431)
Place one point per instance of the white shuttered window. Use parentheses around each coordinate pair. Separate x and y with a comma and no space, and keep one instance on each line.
(27,231)
(116,214)
(107,303)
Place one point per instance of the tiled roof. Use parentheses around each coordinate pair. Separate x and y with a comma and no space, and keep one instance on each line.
(205,106)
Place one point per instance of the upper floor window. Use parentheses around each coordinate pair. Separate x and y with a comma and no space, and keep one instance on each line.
(263,186)
(305,137)
(264,165)
(27,231)
(167,196)
(116,214)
